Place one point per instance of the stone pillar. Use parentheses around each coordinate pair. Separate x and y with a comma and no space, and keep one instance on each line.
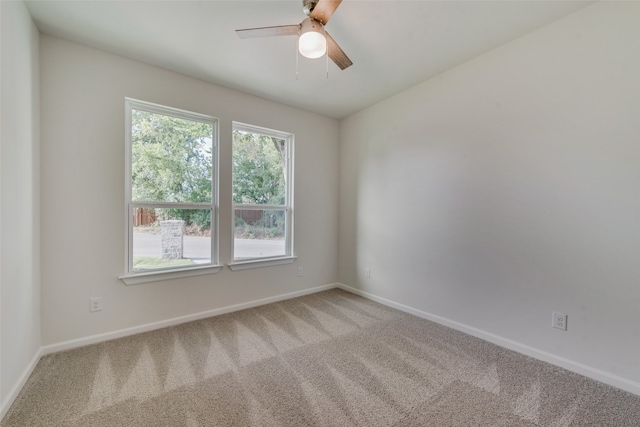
(171,233)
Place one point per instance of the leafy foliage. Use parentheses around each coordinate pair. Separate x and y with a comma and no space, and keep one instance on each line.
(172,162)
(259,178)
(258,169)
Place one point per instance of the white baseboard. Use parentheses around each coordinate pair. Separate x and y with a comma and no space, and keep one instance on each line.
(107,336)
(15,390)
(570,365)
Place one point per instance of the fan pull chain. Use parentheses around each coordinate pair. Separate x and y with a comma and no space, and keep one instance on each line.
(327,56)
(326,52)
(297,57)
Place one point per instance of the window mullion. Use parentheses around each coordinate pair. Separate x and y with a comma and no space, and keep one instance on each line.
(171,205)
(256,207)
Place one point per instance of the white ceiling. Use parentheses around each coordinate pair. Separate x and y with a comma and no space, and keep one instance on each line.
(393,44)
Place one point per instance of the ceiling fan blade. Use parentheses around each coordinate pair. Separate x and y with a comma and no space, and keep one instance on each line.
(324,9)
(336,54)
(282,30)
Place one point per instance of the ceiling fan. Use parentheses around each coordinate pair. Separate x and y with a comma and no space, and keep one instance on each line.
(313,40)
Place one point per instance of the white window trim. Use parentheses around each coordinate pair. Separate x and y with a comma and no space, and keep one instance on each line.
(131,277)
(159,275)
(260,262)
(289,256)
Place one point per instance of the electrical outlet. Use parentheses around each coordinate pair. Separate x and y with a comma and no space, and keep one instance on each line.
(300,272)
(367,273)
(559,321)
(95,304)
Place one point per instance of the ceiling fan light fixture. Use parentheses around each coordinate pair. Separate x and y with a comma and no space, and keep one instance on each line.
(312,42)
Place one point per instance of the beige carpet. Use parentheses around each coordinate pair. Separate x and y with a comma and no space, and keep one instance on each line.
(328,359)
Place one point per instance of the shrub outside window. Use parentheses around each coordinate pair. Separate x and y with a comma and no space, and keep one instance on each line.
(171,189)
(262,193)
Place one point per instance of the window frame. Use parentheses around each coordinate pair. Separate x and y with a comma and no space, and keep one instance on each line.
(135,277)
(288,257)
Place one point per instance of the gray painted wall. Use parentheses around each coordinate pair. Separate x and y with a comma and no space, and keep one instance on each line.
(20,196)
(508,188)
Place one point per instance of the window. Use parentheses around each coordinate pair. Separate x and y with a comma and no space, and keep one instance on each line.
(262,194)
(171,192)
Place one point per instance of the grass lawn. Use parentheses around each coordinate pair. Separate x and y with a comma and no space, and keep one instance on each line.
(152,263)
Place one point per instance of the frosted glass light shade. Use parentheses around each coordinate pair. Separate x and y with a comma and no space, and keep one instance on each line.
(312,45)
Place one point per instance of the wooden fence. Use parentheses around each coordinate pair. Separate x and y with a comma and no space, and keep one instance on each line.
(142,216)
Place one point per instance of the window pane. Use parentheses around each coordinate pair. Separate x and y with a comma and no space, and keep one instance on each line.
(259,234)
(259,169)
(171,238)
(171,158)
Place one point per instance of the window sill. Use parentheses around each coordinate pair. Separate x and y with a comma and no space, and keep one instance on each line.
(257,263)
(156,276)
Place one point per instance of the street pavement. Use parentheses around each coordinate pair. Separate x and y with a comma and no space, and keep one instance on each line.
(198,249)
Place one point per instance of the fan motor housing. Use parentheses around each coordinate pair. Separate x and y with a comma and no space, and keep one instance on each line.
(308,5)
